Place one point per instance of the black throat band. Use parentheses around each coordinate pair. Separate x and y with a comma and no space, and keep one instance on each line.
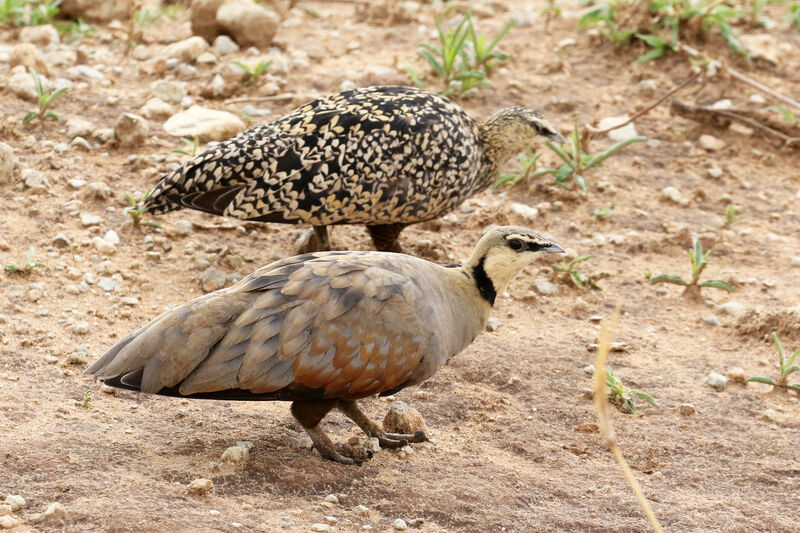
(484,284)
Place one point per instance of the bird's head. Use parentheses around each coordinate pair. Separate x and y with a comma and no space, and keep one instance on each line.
(502,253)
(515,129)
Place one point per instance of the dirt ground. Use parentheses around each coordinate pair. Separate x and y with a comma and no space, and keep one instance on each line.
(514,446)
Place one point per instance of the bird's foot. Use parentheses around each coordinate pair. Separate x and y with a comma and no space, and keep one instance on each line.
(398,440)
(348,454)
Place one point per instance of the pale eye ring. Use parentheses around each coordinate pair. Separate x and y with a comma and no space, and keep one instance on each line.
(515,244)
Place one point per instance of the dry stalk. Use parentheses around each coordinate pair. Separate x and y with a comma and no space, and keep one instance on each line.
(601,404)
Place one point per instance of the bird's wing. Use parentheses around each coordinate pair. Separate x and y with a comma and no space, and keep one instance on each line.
(333,160)
(337,325)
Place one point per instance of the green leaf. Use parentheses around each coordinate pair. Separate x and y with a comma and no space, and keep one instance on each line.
(760,379)
(594,16)
(653,41)
(781,351)
(795,387)
(717,284)
(649,56)
(52,115)
(579,260)
(645,396)
(793,357)
(29,116)
(602,156)
(790,370)
(435,65)
(667,278)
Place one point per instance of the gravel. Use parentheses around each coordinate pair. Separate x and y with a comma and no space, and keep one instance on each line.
(399,524)
(200,486)
(718,381)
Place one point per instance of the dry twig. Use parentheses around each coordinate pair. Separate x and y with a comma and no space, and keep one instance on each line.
(601,404)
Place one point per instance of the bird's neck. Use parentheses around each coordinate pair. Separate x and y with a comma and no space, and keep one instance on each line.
(490,275)
(498,148)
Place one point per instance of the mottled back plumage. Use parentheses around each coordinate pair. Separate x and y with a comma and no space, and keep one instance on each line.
(376,155)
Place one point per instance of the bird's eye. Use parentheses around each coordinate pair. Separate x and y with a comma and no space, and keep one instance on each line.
(515,244)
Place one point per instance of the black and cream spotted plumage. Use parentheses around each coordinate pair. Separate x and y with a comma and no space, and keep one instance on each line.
(381,156)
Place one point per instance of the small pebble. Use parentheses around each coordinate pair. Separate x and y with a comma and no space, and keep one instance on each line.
(686,409)
(399,524)
(492,324)
(200,486)
(318,527)
(718,381)
(15,501)
(711,320)
(55,511)
(331,498)
(361,510)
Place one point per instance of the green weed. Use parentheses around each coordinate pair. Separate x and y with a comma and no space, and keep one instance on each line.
(463,58)
(731,214)
(28,12)
(136,212)
(662,24)
(568,273)
(74,30)
(794,15)
(529,162)
(603,212)
(87,397)
(193,145)
(253,71)
(45,100)
(27,265)
(788,116)
(700,261)
(621,397)
(786,367)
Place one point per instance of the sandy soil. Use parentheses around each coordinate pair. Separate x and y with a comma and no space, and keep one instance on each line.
(514,446)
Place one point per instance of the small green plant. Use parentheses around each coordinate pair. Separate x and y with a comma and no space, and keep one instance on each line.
(731,214)
(192,143)
(463,58)
(550,12)
(529,162)
(87,397)
(74,30)
(621,397)
(253,71)
(786,367)
(27,265)
(45,100)
(788,116)
(700,261)
(136,212)
(661,24)
(568,273)
(794,15)
(577,162)
(603,212)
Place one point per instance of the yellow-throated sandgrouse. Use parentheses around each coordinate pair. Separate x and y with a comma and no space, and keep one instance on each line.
(323,330)
(386,157)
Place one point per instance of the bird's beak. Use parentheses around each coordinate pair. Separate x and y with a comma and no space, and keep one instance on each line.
(553,248)
(555,137)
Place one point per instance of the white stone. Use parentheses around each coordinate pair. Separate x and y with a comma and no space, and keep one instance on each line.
(8,162)
(224,45)
(85,71)
(492,324)
(525,211)
(188,49)
(8,522)
(796,261)
(235,454)
(200,486)
(331,498)
(347,85)
(757,99)
(168,91)
(619,134)
(217,85)
(207,124)
(81,143)
(673,194)
(103,246)
(35,180)
(81,328)
(361,510)
(108,284)
(15,501)
(545,287)
(733,308)
(715,172)
(22,85)
(111,237)
(206,58)
(130,301)
(718,381)
(55,511)
(249,23)
(78,127)
(88,219)
(320,528)
(711,143)
(762,46)
(711,320)
(156,108)
(722,104)
(131,129)
(399,524)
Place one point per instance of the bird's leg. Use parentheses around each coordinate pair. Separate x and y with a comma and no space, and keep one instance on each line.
(387,440)
(384,237)
(323,242)
(309,413)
